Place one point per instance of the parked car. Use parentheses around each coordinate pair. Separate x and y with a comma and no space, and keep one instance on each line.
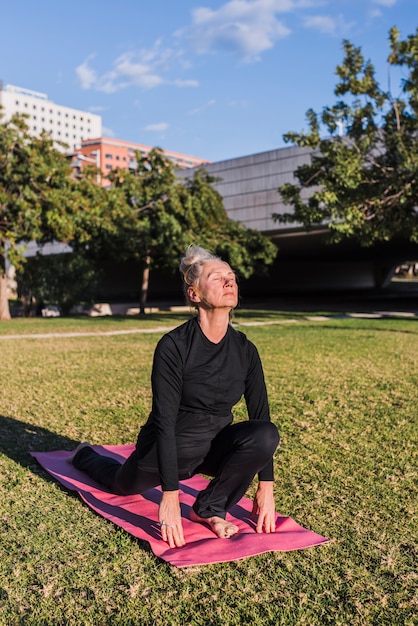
(51,311)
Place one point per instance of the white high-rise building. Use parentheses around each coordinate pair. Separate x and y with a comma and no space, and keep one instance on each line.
(64,124)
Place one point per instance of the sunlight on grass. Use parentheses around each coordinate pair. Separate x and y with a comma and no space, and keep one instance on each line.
(343,393)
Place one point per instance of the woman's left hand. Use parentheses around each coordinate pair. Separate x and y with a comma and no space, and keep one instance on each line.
(264,507)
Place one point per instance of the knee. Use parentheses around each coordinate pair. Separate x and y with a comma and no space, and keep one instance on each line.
(266,437)
(270,436)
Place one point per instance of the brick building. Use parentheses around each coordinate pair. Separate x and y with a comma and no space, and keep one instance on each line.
(108,154)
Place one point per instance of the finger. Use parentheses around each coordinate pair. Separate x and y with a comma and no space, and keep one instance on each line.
(269,524)
(173,535)
(265,523)
(181,539)
(165,531)
(167,534)
(260,523)
(254,510)
(178,540)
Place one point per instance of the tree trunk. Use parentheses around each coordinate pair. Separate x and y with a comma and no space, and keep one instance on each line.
(4,301)
(145,283)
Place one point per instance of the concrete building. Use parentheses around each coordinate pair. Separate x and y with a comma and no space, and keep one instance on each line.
(64,124)
(305,261)
(108,154)
(249,187)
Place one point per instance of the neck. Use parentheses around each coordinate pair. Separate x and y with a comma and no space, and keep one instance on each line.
(214,323)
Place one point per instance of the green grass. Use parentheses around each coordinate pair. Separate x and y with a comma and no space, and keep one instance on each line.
(344,395)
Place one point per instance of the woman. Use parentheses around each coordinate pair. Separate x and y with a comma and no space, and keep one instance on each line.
(200,371)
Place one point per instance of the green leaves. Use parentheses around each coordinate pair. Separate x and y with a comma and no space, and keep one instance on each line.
(146,215)
(161,216)
(363,184)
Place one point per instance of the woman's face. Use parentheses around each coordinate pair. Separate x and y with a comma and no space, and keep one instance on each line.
(217,287)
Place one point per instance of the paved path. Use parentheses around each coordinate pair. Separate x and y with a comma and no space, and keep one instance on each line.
(165,329)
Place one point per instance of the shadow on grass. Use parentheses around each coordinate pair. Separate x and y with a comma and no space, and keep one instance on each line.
(18,439)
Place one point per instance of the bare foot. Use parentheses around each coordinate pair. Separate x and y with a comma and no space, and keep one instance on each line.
(218,525)
(70,458)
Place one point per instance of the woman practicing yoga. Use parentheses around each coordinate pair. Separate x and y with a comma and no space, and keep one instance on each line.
(200,371)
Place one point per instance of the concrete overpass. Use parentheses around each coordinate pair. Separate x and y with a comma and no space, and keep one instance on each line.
(305,261)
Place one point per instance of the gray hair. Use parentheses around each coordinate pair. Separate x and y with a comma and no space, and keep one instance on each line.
(191,267)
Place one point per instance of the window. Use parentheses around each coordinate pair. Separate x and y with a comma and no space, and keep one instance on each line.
(117,158)
(26,104)
(108,167)
(17,102)
(109,156)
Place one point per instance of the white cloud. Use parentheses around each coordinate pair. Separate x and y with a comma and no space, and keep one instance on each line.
(146,69)
(335,26)
(158,128)
(244,27)
(85,74)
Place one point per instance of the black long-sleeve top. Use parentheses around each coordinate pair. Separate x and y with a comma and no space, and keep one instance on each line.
(195,384)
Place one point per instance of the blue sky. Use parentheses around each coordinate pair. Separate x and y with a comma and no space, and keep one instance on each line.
(215,79)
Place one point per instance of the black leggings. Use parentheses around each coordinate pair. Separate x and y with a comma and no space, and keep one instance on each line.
(237,454)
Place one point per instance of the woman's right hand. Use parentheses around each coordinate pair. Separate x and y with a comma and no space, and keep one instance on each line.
(170,519)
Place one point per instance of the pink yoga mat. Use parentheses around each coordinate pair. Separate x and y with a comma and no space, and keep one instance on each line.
(138,515)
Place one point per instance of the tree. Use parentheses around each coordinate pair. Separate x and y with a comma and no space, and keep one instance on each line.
(66,281)
(40,200)
(363,184)
(163,215)
(206,221)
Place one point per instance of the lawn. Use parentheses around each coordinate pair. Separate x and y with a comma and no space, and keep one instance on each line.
(343,393)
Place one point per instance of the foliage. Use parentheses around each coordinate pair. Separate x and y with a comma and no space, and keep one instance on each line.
(162,216)
(247,250)
(39,199)
(65,281)
(147,215)
(363,184)
(343,394)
